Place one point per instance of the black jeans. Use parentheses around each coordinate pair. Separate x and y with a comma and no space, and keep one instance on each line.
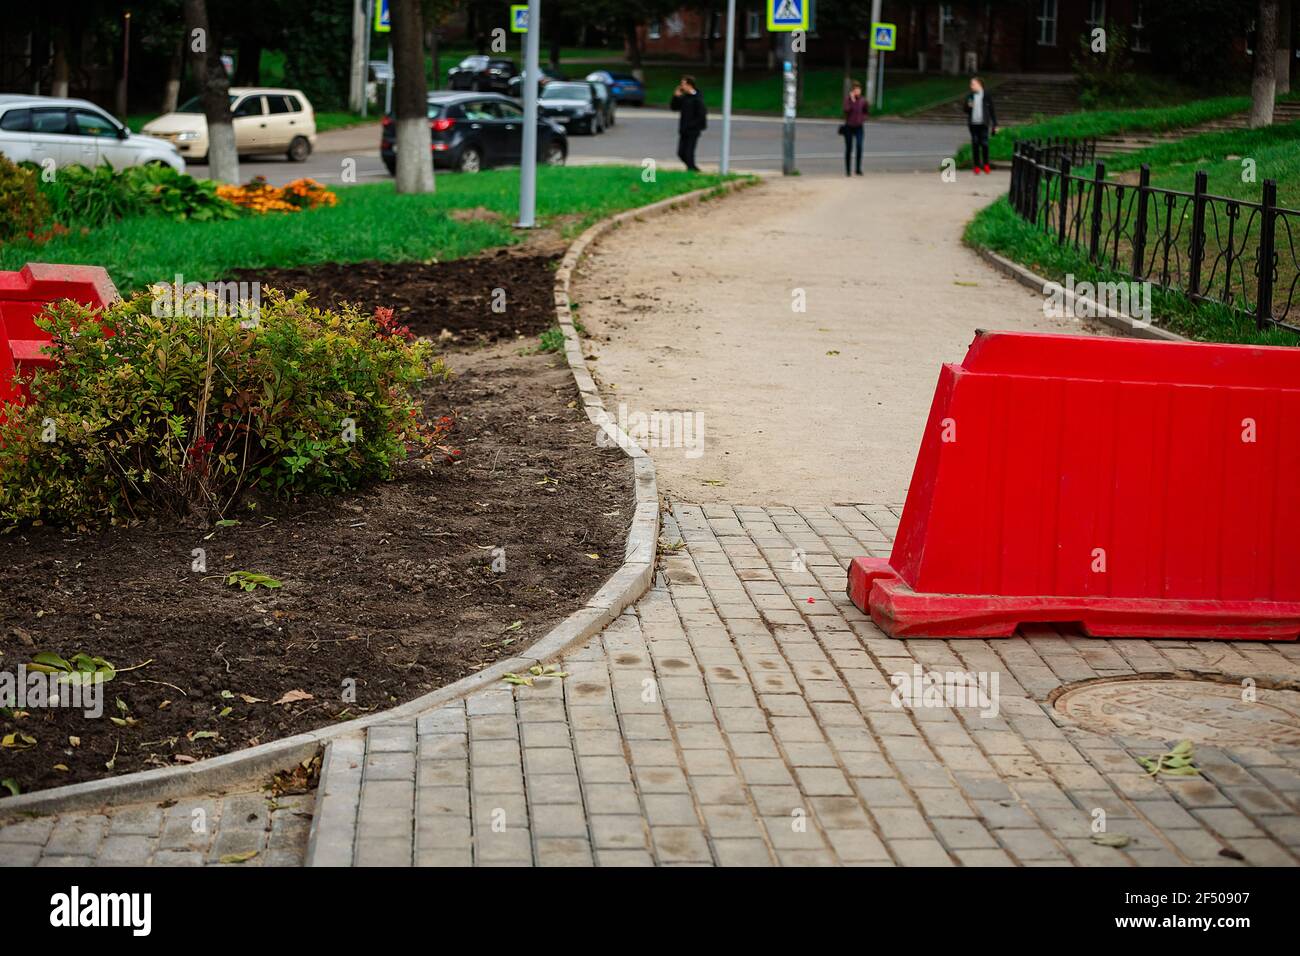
(979,145)
(852,134)
(686,141)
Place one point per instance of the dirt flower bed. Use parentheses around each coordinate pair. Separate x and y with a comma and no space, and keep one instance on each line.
(451,302)
(382,595)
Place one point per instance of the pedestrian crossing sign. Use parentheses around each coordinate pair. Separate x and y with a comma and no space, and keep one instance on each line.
(787,16)
(383,23)
(884,36)
(519,18)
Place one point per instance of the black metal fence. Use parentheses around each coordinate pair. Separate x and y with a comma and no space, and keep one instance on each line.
(1208,247)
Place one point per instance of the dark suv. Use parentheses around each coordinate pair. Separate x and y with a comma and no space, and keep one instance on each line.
(472,131)
(483,73)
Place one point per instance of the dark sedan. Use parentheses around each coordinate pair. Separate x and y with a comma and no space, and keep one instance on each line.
(483,73)
(625,87)
(575,105)
(473,131)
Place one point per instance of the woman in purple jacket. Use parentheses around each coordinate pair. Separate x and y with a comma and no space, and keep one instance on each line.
(855,114)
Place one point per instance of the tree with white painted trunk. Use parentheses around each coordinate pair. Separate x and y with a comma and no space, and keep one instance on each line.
(411,112)
(204,47)
(1263,87)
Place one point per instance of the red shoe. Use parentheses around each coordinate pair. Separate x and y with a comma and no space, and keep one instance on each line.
(987,169)
(976,169)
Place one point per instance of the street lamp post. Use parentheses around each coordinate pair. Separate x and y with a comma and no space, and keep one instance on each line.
(725,165)
(528,163)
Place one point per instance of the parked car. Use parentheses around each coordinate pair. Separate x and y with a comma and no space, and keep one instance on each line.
(39,128)
(516,86)
(266,120)
(573,104)
(607,104)
(483,73)
(625,87)
(472,131)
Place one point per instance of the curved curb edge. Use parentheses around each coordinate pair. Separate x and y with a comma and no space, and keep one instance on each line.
(623,587)
(1115,319)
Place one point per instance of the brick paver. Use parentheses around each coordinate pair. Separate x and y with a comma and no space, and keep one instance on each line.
(192,831)
(741,714)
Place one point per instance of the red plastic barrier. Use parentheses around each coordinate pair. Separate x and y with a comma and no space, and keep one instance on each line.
(23,296)
(1133,488)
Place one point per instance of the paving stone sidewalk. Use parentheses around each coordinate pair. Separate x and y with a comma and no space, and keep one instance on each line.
(741,714)
(193,831)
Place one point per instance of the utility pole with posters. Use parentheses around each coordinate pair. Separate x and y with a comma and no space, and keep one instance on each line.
(788,17)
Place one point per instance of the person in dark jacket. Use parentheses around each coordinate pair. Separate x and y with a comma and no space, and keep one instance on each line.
(855,114)
(691,120)
(981,118)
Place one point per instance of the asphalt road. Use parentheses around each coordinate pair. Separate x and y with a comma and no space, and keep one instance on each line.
(651,134)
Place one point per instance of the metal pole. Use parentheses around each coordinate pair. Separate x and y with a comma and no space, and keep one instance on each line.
(528,162)
(388,92)
(725,166)
(880,86)
(788,111)
(873,54)
(365,57)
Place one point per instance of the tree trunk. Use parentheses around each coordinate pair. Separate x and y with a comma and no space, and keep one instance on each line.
(414,157)
(848,66)
(1285,53)
(214,91)
(633,48)
(1263,87)
(59,67)
(172,86)
(248,65)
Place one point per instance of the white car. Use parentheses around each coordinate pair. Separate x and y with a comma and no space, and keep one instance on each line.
(40,128)
(266,120)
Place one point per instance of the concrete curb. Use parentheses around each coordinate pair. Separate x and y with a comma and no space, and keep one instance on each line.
(1116,320)
(627,584)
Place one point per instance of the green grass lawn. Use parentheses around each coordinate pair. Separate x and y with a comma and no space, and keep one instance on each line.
(1091,123)
(369,222)
(1276,153)
(759,91)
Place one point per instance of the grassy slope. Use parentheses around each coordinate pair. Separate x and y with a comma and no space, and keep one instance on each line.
(1276,151)
(1111,122)
(369,222)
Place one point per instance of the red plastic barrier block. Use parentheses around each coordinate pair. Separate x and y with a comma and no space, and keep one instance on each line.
(1133,488)
(23,296)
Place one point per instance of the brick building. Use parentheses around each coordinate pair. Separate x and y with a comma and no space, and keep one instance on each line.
(1041,36)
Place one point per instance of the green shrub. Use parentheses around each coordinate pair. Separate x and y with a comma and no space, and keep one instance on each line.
(186,407)
(23,208)
(97,197)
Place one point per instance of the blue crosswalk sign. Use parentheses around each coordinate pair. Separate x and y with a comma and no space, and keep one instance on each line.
(519,18)
(884,36)
(787,16)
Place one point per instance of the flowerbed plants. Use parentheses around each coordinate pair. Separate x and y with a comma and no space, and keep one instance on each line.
(93,198)
(259,196)
(175,403)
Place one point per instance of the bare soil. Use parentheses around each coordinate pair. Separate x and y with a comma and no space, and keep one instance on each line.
(385,595)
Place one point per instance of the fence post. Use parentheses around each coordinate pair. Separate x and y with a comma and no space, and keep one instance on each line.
(1264,263)
(1098,190)
(1063,204)
(1140,227)
(1033,184)
(1015,175)
(1197,250)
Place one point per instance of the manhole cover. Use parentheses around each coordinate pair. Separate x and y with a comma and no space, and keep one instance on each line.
(1200,711)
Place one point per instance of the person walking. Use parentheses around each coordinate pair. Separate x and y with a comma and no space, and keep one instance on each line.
(980,119)
(855,115)
(692,120)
